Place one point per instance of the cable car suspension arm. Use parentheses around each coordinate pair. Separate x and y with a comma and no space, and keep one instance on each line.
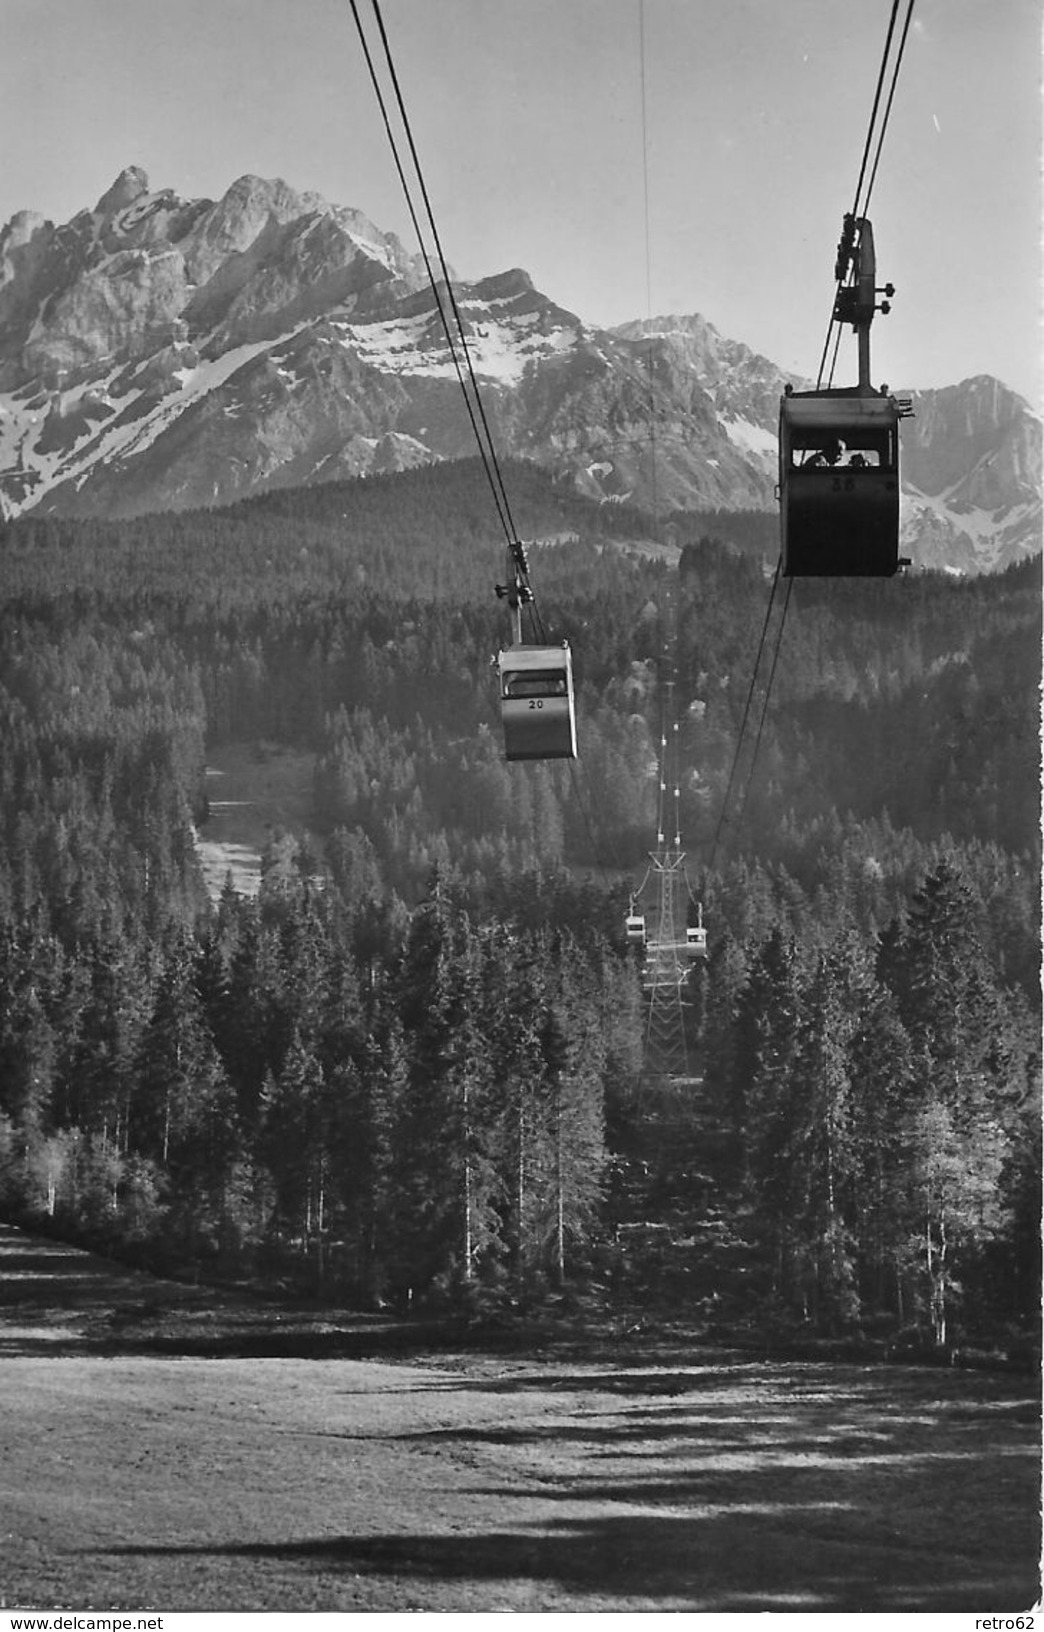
(855,302)
(517,591)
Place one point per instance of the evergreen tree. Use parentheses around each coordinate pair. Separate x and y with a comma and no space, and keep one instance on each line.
(952,1191)
(293,1144)
(817,1151)
(881,1073)
(447,1175)
(182,1113)
(574,1157)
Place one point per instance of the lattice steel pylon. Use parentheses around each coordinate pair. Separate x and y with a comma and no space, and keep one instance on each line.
(669,943)
(666,971)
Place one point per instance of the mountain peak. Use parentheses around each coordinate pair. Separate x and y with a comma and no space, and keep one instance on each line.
(250,190)
(503,285)
(22,228)
(162,353)
(129,185)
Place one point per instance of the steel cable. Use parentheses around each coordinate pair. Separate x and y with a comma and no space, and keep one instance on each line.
(473,399)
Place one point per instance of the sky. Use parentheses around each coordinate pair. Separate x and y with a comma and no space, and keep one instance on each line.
(636,157)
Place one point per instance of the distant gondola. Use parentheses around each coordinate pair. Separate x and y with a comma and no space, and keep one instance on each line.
(636,928)
(696,941)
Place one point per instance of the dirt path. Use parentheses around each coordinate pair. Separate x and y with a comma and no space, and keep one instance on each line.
(181,1483)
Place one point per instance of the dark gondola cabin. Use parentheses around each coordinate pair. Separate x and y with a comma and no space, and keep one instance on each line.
(839,483)
(536,702)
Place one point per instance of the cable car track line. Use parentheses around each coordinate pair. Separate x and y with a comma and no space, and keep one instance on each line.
(861,209)
(743,722)
(648,276)
(408,130)
(432,280)
(888,108)
(876,104)
(764,706)
(472,399)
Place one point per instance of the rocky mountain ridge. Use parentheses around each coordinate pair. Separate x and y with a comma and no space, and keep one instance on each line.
(160,353)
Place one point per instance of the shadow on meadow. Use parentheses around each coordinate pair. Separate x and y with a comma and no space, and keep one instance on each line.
(762,1488)
(747,1556)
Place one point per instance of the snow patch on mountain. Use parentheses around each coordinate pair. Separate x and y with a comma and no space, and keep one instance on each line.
(130,432)
(757,440)
(500,343)
(966,538)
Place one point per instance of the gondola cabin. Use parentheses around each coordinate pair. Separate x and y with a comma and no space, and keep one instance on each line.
(636,928)
(839,483)
(537,706)
(696,942)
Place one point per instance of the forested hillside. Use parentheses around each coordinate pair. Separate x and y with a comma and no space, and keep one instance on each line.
(411,1069)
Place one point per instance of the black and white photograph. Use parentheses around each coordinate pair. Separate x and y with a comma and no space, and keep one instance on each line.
(520,810)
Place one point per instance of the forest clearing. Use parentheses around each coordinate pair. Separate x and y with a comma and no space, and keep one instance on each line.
(256,792)
(642,1476)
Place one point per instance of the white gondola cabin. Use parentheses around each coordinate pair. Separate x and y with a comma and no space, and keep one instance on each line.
(636,928)
(839,483)
(537,706)
(696,941)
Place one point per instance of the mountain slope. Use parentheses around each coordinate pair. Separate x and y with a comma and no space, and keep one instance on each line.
(158,353)
(972,475)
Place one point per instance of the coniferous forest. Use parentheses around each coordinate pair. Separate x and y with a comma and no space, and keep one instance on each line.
(409,1072)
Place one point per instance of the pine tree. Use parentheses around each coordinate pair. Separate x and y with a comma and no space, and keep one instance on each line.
(382,1125)
(512,999)
(946,994)
(29,1040)
(965,1076)
(952,1189)
(573,1158)
(881,1074)
(445,1173)
(727,1036)
(817,1152)
(182,1114)
(100,1084)
(766,1043)
(292,1141)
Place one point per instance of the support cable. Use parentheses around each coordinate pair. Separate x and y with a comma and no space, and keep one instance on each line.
(764,705)
(443,263)
(876,103)
(861,207)
(473,400)
(432,280)
(743,722)
(648,272)
(865,206)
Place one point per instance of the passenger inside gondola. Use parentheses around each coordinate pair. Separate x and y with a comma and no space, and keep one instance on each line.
(829,454)
(811,449)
